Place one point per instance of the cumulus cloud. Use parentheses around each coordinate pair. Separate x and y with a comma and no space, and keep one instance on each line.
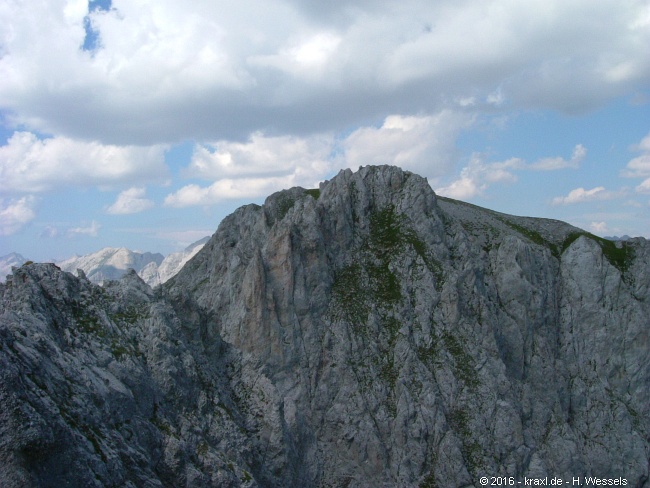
(49,232)
(478,175)
(130,201)
(15,214)
(580,195)
(90,230)
(424,144)
(261,155)
(644,187)
(552,164)
(639,167)
(165,70)
(264,164)
(226,189)
(598,227)
(255,168)
(29,164)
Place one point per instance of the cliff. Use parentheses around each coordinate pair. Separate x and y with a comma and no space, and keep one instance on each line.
(364,334)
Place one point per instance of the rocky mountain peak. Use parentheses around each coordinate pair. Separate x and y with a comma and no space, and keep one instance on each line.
(366,333)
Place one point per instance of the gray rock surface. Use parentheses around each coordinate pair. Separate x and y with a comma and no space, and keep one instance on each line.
(366,334)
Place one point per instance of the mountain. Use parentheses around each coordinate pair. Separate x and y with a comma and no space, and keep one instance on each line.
(367,333)
(154,274)
(110,263)
(8,261)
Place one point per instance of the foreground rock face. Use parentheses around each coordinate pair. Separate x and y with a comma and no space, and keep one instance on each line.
(364,334)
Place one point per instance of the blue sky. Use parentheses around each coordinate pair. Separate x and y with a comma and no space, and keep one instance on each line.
(143,123)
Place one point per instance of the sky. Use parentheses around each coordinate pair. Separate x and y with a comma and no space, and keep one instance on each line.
(143,123)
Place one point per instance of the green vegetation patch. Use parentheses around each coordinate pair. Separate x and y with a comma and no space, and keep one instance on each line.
(349,295)
(533,236)
(463,362)
(370,280)
(129,315)
(470,448)
(284,203)
(314,192)
(87,320)
(619,257)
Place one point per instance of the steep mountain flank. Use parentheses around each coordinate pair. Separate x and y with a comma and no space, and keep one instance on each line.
(364,334)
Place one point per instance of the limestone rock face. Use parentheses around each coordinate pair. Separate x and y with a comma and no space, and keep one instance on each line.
(365,334)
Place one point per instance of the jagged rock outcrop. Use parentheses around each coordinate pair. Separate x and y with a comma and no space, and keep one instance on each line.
(364,334)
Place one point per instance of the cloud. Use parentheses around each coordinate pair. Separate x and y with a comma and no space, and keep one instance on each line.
(264,164)
(261,155)
(164,71)
(478,175)
(598,227)
(580,195)
(90,230)
(49,232)
(30,165)
(255,168)
(227,189)
(639,167)
(552,164)
(130,201)
(424,144)
(644,187)
(15,214)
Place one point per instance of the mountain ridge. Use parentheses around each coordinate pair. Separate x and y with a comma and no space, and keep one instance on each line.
(368,333)
(111,263)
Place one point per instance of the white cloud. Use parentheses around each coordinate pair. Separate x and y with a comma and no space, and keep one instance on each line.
(255,168)
(478,175)
(264,164)
(639,167)
(306,58)
(15,214)
(644,187)
(261,155)
(91,230)
(463,188)
(551,164)
(166,70)
(226,189)
(130,201)
(580,195)
(49,232)
(425,144)
(29,164)
(598,227)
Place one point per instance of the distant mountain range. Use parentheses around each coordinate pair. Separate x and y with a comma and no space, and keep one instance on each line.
(8,261)
(112,263)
